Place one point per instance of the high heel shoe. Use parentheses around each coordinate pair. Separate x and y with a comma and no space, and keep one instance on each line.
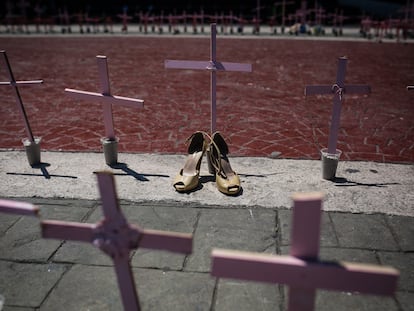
(188,177)
(227,180)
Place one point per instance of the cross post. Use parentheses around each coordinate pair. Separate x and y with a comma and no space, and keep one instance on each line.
(116,237)
(18,208)
(105,97)
(339,89)
(302,270)
(19,101)
(213,66)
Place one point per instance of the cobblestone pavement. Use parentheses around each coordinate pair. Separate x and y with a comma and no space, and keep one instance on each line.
(262,113)
(38,274)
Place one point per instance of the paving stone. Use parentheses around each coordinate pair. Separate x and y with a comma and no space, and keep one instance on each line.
(8,308)
(28,284)
(85,288)
(363,231)
(157,290)
(249,230)
(341,301)
(327,237)
(403,227)
(406,300)
(23,240)
(206,239)
(247,219)
(243,295)
(404,262)
(6,221)
(175,291)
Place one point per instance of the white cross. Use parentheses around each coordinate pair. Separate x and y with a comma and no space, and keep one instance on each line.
(302,270)
(105,97)
(213,66)
(19,101)
(339,89)
(116,238)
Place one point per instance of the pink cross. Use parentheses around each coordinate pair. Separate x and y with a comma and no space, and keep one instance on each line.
(105,97)
(213,66)
(302,270)
(338,89)
(18,208)
(116,238)
(19,101)
(410,87)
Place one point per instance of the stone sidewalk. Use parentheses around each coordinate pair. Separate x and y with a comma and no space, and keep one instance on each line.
(38,274)
(368,218)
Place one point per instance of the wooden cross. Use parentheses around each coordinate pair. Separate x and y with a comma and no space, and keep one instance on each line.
(338,89)
(116,238)
(19,101)
(105,97)
(302,270)
(213,66)
(18,208)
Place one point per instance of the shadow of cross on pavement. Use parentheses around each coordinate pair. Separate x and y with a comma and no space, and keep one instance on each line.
(302,270)
(113,235)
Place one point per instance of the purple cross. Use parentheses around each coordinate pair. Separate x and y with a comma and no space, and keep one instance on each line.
(302,270)
(105,97)
(19,101)
(213,66)
(18,208)
(338,89)
(116,238)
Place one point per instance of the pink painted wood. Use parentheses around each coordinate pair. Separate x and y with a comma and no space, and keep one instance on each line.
(338,89)
(116,238)
(18,208)
(302,270)
(213,66)
(19,100)
(105,97)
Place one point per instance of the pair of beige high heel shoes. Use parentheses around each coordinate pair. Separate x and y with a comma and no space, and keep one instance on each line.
(228,182)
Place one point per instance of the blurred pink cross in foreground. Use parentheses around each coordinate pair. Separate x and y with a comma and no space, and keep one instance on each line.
(213,66)
(105,97)
(302,270)
(18,208)
(19,101)
(338,89)
(116,238)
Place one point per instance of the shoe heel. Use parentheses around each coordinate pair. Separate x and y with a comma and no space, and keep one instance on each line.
(211,168)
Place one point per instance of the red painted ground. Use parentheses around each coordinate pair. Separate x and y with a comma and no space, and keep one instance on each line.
(259,112)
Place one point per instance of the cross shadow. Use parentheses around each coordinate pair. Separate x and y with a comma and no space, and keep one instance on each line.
(128,171)
(44,172)
(344,182)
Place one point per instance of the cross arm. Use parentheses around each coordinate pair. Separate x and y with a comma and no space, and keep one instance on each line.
(109,99)
(331,89)
(63,230)
(208,65)
(21,82)
(18,208)
(164,240)
(296,272)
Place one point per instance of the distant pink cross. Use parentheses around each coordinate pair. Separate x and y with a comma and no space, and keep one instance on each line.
(19,101)
(339,89)
(213,66)
(302,270)
(116,238)
(105,97)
